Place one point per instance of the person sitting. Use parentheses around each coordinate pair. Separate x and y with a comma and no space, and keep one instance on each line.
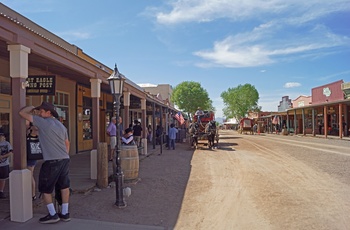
(199,113)
(127,138)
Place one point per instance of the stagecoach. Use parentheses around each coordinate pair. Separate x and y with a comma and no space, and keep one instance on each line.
(246,126)
(203,130)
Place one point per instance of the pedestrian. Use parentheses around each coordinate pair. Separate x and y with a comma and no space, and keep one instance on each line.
(320,128)
(137,130)
(112,132)
(277,128)
(150,134)
(127,138)
(255,128)
(5,153)
(172,136)
(54,171)
(32,134)
(158,134)
(121,130)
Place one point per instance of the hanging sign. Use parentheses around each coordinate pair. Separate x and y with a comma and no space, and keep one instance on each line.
(41,85)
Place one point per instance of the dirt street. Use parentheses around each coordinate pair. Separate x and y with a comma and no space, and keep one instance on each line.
(269,182)
(249,182)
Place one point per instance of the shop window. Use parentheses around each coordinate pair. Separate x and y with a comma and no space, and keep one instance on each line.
(334,121)
(87,118)
(61,101)
(109,113)
(308,122)
(5,85)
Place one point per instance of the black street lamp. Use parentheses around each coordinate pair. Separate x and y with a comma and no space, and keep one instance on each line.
(116,82)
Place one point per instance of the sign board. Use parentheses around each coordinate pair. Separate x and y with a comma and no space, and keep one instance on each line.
(41,85)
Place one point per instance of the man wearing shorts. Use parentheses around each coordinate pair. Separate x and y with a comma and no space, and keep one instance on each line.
(112,132)
(5,153)
(54,171)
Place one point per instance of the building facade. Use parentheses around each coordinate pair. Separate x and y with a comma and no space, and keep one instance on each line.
(35,66)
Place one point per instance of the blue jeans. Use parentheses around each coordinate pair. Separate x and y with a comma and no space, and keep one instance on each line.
(172,143)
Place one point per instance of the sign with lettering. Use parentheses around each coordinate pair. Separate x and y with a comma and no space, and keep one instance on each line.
(41,85)
(327,92)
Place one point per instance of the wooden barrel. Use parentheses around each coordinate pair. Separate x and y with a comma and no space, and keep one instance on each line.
(129,161)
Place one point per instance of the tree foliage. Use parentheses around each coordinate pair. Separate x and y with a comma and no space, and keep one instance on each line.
(190,95)
(240,100)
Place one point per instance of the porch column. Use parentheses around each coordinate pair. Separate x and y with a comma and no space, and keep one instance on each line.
(325,122)
(20,177)
(295,121)
(154,124)
(313,123)
(144,126)
(340,121)
(346,109)
(162,128)
(126,103)
(95,95)
(303,120)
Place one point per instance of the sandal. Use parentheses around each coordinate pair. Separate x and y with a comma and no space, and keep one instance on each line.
(34,197)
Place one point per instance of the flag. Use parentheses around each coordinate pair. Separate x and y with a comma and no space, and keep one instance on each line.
(179,117)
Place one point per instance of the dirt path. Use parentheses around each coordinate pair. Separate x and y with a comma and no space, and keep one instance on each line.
(250,182)
(268,182)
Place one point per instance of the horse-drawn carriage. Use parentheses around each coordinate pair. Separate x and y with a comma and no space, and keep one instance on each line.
(246,125)
(204,127)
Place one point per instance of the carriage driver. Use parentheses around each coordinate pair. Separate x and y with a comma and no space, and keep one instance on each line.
(199,113)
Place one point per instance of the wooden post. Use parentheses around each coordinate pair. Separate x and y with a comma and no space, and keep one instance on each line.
(102,165)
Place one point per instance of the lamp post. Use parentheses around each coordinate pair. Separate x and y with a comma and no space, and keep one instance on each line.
(116,82)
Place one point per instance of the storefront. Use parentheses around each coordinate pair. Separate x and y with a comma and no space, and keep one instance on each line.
(80,93)
(327,113)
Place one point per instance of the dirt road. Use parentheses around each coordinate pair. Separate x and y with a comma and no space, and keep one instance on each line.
(249,182)
(269,182)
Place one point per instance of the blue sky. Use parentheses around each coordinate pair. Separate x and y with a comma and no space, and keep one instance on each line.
(282,47)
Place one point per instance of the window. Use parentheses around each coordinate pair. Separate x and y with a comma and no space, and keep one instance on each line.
(87,118)
(5,85)
(61,101)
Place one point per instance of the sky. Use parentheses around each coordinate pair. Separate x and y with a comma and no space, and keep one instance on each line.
(281,47)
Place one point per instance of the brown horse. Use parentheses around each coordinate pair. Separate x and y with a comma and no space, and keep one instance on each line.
(194,131)
(210,130)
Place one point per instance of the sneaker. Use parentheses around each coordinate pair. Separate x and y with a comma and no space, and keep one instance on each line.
(49,219)
(64,217)
(2,195)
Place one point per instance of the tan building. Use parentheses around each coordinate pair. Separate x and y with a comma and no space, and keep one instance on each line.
(302,101)
(37,65)
(162,91)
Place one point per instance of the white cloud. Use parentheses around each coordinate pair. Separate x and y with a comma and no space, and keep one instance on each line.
(335,75)
(208,10)
(263,46)
(74,35)
(266,43)
(147,85)
(291,85)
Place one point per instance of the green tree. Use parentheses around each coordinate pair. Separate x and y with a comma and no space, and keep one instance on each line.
(240,100)
(190,95)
